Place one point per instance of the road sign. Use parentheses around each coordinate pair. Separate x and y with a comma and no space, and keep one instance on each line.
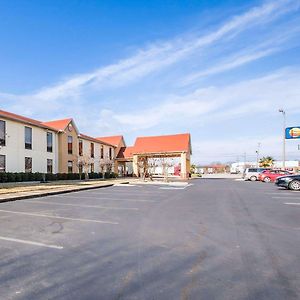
(292,133)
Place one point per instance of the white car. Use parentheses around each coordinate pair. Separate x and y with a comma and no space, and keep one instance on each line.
(252,173)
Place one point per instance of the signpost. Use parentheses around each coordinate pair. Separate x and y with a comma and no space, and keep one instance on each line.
(292,133)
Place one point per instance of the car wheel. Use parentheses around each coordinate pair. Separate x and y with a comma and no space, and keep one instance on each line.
(294,185)
(253,178)
(267,179)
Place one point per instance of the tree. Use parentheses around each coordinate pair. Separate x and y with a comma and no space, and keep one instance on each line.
(193,169)
(266,161)
(106,164)
(84,163)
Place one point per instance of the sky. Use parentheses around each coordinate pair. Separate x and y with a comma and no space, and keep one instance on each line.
(219,70)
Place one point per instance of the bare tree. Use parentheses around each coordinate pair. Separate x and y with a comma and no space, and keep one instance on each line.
(143,166)
(84,163)
(106,164)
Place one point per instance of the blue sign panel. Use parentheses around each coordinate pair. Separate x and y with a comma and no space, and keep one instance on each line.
(292,133)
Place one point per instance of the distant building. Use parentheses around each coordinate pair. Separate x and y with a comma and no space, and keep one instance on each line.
(239,167)
(213,169)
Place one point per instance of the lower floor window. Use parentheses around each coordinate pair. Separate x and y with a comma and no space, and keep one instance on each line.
(70,166)
(92,168)
(49,165)
(80,168)
(28,164)
(2,163)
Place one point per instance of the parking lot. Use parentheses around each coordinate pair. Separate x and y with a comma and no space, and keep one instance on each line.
(212,239)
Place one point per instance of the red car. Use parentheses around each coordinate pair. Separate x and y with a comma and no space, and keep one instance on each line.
(271,175)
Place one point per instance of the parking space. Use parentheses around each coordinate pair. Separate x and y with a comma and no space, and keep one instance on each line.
(214,238)
(30,221)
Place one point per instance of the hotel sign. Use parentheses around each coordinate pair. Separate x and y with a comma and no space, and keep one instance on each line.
(292,133)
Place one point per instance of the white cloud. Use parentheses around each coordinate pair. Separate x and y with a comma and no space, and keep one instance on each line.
(257,96)
(153,58)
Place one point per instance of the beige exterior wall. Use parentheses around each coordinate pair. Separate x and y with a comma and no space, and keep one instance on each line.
(97,160)
(15,151)
(117,150)
(63,154)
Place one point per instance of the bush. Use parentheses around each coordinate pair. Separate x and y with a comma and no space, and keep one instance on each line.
(22,177)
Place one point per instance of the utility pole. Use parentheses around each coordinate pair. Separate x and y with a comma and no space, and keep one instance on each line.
(257,154)
(283,142)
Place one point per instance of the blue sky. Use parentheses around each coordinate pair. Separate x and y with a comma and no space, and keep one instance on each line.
(217,69)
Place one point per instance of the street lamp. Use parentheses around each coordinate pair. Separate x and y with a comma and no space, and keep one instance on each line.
(283,144)
(257,154)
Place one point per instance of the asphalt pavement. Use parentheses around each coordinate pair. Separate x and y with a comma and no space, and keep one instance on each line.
(212,239)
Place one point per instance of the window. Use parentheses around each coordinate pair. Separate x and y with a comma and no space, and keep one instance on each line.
(102,152)
(49,166)
(28,165)
(49,142)
(2,163)
(80,148)
(92,168)
(70,166)
(28,138)
(80,168)
(70,144)
(92,150)
(110,153)
(2,133)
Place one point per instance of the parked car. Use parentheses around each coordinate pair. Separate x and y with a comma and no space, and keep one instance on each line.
(252,173)
(291,182)
(271,175)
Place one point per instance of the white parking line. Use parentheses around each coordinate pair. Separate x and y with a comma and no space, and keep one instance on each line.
(284,193)
(79,205)
(285,197)
(290,203)
(98,198)
(57,217)
(172,188)
(3,238)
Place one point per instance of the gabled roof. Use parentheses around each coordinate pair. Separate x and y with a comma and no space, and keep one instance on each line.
(163,143)
(113,140)
(125,152)
(86,137)
(59,125)
(25,120)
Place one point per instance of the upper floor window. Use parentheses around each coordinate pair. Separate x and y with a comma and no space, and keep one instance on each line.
(49,142)
(70,144)
(92,150)
(80,148)
(110,153)
(28,165)
(2,133)
(2,163)
(28,138)
(102,152)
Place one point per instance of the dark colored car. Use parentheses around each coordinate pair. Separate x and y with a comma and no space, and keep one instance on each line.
(291,182)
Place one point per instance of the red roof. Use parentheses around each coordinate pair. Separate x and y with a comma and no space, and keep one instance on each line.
(163,143)
(22,119)
(113,140)
(86,137)
(125,152)
(58,124)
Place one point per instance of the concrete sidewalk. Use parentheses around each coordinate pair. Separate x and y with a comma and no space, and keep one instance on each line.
(46,189)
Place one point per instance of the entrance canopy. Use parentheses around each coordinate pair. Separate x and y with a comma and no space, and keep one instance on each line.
(165,146)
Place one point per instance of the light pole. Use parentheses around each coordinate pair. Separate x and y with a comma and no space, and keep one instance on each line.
(257,154)
(283,142)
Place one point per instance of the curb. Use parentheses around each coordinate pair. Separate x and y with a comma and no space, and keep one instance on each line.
(51,193)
